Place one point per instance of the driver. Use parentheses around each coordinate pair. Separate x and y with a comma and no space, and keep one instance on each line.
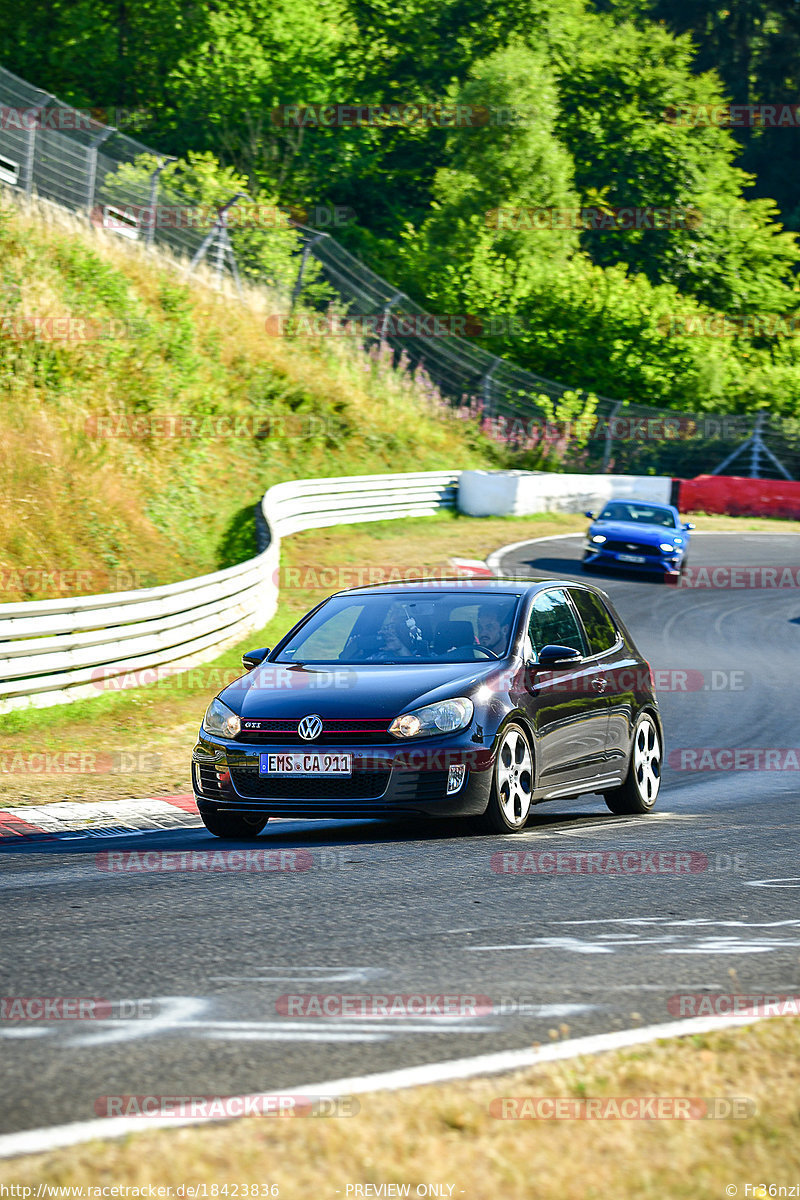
(492,631)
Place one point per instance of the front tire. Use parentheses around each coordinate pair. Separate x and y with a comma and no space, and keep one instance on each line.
(512,783)
(639,792)
(233,826)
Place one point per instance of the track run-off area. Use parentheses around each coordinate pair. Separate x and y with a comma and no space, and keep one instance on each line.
(330,949)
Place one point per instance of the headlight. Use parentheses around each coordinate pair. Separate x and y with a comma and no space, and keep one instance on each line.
(667,547)
(599,537)
(221,720)
(445,717)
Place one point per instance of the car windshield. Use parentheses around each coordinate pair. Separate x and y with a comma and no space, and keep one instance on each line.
(394,627)
(642,514)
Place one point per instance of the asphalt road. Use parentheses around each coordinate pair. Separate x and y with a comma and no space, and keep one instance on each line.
(398,909)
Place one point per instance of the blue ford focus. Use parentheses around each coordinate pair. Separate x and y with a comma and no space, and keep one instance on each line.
(638,536)
(449,698)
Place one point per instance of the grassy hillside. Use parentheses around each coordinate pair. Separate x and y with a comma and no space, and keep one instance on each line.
(104,481)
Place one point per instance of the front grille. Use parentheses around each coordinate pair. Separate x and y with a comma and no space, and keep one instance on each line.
(629,548)
(361,785)
(351,732)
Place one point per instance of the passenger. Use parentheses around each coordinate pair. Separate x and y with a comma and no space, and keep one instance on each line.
(394,637)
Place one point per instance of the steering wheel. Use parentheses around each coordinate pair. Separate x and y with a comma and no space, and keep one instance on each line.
(485,650)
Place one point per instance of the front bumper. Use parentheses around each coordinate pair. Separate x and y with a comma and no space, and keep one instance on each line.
(663,564)
(387,780)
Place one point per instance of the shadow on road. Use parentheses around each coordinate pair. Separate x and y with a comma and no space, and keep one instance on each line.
(571,568)
(286,834)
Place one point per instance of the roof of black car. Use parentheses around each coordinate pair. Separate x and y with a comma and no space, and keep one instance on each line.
(458,583)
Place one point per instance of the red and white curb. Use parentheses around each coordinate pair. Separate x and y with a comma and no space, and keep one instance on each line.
(106,818)
(471,568)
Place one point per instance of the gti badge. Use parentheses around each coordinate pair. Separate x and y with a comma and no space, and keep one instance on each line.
(310,728)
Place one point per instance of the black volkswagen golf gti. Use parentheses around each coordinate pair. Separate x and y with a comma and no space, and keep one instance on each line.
(449,698)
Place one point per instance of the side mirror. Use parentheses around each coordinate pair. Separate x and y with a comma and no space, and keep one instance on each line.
(590,515)
(688,525)
(253,657)
(557,656)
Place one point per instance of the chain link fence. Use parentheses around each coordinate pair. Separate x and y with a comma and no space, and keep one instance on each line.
(58,153)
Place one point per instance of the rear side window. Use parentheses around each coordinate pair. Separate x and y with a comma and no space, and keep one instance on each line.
(600,629)
(553,622)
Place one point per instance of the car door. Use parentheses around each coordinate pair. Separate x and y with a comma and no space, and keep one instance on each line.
(567,707)
(617,671)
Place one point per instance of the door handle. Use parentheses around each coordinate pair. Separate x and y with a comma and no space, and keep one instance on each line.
(599,685)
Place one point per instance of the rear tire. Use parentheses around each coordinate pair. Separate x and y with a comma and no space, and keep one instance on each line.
(233,826)
(639,792)
(512,783)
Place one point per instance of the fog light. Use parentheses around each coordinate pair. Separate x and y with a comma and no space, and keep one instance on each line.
(455,778)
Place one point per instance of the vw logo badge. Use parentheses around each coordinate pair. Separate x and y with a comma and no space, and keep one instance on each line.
(310,728)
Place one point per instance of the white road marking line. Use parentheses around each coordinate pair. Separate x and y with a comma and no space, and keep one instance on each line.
(37,1141)
(786,881)
(323,974)
(56,876)
(730,946)
(178,1011)
(493,559)
(680,921)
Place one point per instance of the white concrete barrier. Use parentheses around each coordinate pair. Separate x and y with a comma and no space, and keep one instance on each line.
(519,493)
(56,651)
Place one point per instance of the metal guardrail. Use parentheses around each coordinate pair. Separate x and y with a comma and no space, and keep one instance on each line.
(56,651)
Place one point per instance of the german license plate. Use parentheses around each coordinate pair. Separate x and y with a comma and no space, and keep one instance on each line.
(638,558)
(311,762)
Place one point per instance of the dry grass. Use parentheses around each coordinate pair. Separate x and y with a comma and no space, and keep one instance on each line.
(167,507)
(444,1134)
